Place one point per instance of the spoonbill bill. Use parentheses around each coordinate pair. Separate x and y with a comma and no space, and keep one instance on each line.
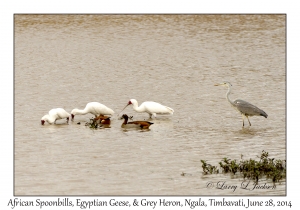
(55,114)
(150,107)
(94,108)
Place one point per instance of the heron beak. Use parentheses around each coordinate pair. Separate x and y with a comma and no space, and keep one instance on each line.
(217,84)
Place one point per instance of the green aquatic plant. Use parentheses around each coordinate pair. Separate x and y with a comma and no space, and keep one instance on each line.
(233,167)
(207,168)
(250,169)
(224,164)
(229,166)
(92,124)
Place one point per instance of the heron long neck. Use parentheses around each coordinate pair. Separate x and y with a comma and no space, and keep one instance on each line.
(227,96)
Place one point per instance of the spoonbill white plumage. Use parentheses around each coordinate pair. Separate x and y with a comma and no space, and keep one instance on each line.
(152,108)
(94,108)
(135,124)
(55,114)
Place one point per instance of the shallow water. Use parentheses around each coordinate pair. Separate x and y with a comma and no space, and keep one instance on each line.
(69,60)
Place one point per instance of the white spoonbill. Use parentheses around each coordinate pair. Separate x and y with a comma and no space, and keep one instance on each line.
(94,108)
(152,108)
(55,114)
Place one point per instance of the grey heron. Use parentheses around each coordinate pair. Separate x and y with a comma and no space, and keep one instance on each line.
(245,108)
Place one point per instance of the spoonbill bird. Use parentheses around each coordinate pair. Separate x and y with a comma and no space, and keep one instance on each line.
(135,124)
(94,108)
(55,114)
(245,108)
(152,108)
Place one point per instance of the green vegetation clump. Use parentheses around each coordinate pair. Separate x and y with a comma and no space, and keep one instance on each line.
(207,168)
(250,169)
(93,124)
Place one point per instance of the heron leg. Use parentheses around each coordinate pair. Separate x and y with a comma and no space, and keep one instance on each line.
(248,120)
(243,120)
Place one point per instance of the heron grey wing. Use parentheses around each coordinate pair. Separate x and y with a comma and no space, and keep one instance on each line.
(248,109)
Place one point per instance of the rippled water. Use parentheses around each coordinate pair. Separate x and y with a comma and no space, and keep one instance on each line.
(69,60)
